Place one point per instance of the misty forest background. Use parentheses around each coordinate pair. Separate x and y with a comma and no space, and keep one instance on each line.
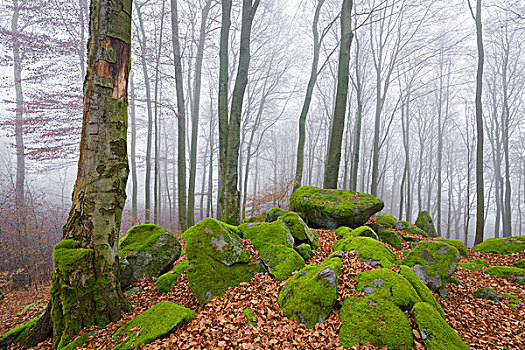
(409,134)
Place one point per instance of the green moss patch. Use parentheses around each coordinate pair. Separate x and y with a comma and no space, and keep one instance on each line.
(486,293)
(424,222)
(274,213)
(424,293)
(155,323)
(169,279)
(333,208)
(434,330)
(362,231)
(139,239)
(305,251)
(520,264)
(68,253)
(473,264)
(16,334)
(367,249)
(503,246)
(299,230)
(309,296)
(513,274)
(514,301)
(375,320)
(392,238)
(460,246)
(250,318)
(389,285)
(386,220)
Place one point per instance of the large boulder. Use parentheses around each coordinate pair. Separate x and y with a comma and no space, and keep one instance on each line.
(361,231)
(309,296)
(433,262)
(155,323)
(391,237)
(368,250)
(275,244)
(217,259)
(424,222)
(146,250)
(333,208)
(503,246)
(460,246)
(299,230)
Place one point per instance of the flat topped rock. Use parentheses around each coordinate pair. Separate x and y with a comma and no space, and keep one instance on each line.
(326,208)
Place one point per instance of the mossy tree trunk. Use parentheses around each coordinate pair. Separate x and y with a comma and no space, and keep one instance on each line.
(85,287)
(338,123)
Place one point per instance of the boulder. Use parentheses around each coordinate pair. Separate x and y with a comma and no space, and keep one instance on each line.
(146,250)
(473,264)
(520,264)
(460,246)
(433,262)
(217,259)
(424,222)
(327,208)
(274,213)
(434,330)
(513,274)
(275,244)
(361,231)
(503,246)
(368,250)
(410,228)
(375,320)
(424,293)
(392,238)
(386,220)
(309,296)
(169,279)
(155,323)
(486,293)
(299,230)
(304,250)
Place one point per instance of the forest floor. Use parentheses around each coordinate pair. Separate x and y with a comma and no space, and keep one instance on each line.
(221,324)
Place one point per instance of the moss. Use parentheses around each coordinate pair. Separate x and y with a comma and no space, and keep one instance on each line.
(361,231)
(248,313)
(274,213)
(424,222)
(68,253)
(410,228)
(514,301)
(410,239)
(392,238)
(386,220)
(473,264)
(513,274)
(16,334)
(424,293)
(139,239)
(460,246)
(309,296)
(305,250)
(333,208)
(486,293)
(520,264)
(77,343)
(298,229)
(375,320)
(435,331)
(168,280)
(436,258)
(368,249)
(503,246)
(385,283)
(155,323)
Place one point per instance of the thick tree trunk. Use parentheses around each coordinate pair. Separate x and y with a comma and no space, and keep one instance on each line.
(331,174)
(85,287)
(181,119)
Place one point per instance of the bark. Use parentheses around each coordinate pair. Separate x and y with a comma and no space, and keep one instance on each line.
(359,118)
(338,123)
(308,98)
(181,119)
(85,287)
(133,160)
(195,111)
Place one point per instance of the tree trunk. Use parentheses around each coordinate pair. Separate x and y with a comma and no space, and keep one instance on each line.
(85,287)
(338,123)
(133,160)
(181,119)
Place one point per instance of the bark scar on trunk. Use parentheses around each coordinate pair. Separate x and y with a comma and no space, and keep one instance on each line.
(113,66)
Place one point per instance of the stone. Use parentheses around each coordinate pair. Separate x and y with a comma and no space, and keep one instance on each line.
(392,238)
(299,230)
(368,250)
(503,246)
(361,231)
(424,222)
(486,293)
(513,274)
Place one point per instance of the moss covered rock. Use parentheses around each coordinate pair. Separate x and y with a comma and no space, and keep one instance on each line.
(169,279)
(146,250)
(424,222)
(368,250)
(155,323)
(299,230)
(16,334)
(486,293)
(433,262)
(309,296)
(473,264)
(375,320)
(305,251)
(503,246)
(434,330)
(386,220)
(392,238)
(275,243)
(410,228)
(274,213)
(334,208)
(424,293)
(217,259)
(513,274)
(520,264)
(389,285)
(460,246)
(362,231)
